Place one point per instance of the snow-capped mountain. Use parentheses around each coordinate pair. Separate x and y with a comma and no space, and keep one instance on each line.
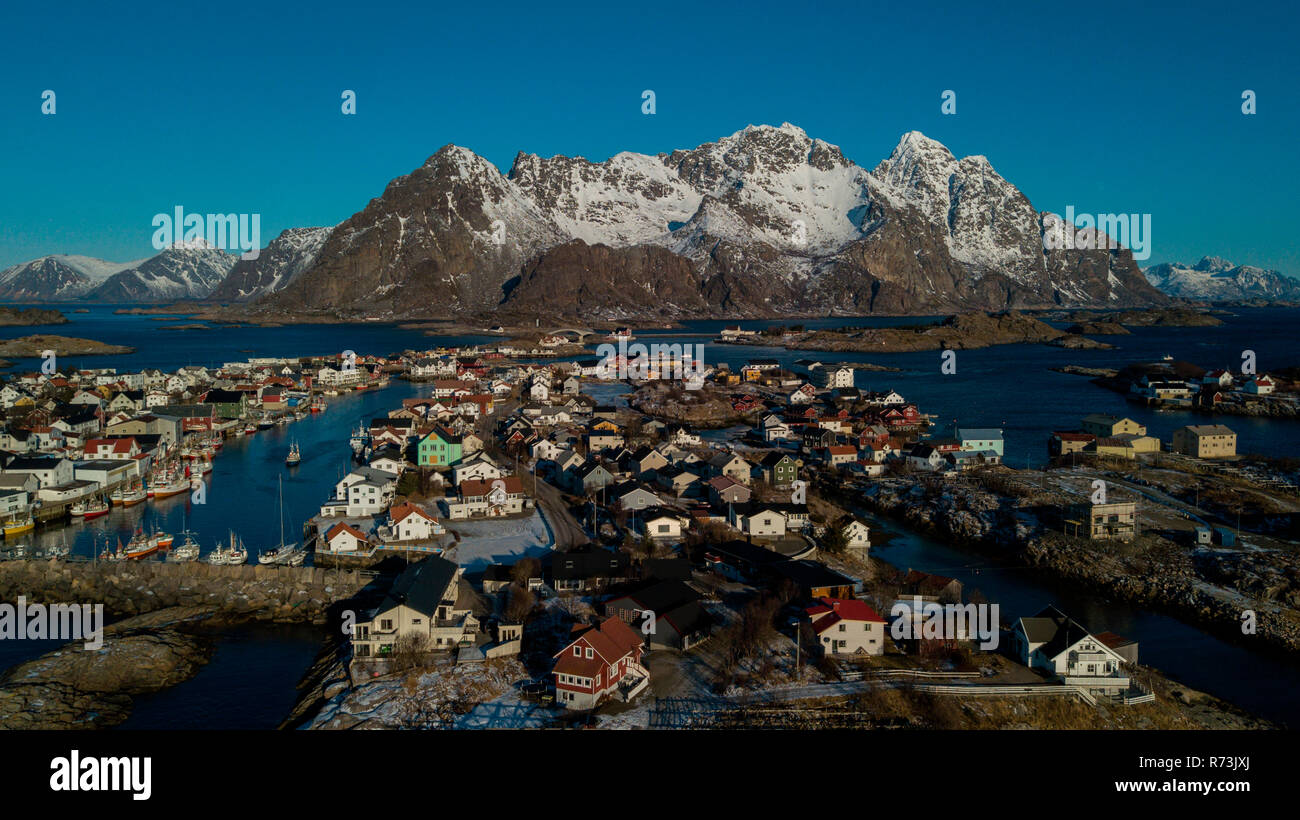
(286,256)
(1216,279)
(55,278)
(765,221)
(183,271)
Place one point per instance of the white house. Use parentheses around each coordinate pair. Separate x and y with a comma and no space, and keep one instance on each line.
(1058,644)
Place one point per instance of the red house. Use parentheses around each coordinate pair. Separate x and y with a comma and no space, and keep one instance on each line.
(603,661)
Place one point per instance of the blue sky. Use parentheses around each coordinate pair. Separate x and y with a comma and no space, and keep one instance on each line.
(1123,107)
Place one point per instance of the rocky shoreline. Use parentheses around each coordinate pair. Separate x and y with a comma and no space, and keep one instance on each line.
(169,611)
(25,317)
(27,347)
(997,525)
(964,331)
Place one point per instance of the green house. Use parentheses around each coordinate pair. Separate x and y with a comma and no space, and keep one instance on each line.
(440,448)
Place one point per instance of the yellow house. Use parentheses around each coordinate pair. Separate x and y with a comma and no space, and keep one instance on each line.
(1102,425)
(1205,441)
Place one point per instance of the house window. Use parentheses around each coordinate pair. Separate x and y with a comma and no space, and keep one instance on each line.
(589,653)
(386,624)
(577,651)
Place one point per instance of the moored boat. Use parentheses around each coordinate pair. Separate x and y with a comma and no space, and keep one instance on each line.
(87,509)
(187,550)
(18,525)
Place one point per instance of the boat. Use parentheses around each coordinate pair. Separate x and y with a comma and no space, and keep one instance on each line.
(317,405)
(187,550)
(295,456)
(289,554)
(359,438)
(141,545)
(164,539)
(89,508)
(1166,358)
(128,497)
(235,554)
(119,555)
(250,428)
(265,423)
(170,484)
(18,526)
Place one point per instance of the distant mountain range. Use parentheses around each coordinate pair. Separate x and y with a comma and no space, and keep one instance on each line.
(765,222)
(180,272)
(1218,280)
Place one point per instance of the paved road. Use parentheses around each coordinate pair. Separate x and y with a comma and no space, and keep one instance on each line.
(568,532)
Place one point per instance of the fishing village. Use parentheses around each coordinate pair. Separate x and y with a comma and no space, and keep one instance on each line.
(523,507)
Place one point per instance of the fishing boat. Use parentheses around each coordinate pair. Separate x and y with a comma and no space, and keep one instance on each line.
(18,525)
(359,438)
(235,554)
(118,555)
(187,550)
(317,405)
(295,456)
(250,428)
(129,496)
(170,484)
(141,545)
(164,539)
(89,508)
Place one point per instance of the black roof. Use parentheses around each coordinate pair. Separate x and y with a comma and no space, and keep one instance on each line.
(807,573)
(659,596)
(421,586)
(747,552)
(594,564)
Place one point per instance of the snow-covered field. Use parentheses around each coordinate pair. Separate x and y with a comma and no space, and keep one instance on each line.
(501,541)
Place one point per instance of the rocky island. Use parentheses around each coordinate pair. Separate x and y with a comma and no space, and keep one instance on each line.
(964,331)
(27,347)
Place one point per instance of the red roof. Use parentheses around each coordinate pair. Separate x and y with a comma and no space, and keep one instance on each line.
(401,511)
(341,528)
(1074,436)
(828,612)
(610,641)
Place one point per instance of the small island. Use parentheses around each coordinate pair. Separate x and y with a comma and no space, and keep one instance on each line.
(963,331)
(27,347)
(24,317)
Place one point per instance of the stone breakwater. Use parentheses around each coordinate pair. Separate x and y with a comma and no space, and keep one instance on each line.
(243,593)
(1208,589)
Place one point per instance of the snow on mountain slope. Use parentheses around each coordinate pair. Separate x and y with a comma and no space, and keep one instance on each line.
(183,271)
(989,222)
(282,260)
(1216,279)
(56,277)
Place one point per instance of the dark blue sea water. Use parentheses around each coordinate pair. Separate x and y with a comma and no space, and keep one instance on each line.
(1009,386)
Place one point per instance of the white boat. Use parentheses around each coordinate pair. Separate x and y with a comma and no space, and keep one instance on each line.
(89,508)
(187,550)
(284,553)
(234,555)
(294,457)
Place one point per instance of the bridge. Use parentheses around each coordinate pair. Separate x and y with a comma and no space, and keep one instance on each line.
(580,332)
